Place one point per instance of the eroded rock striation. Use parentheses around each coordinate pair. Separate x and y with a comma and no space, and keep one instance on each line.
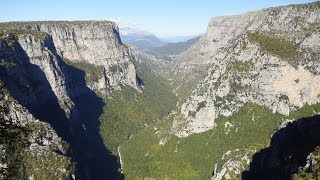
(36,66)
(268,57)
(86,43)
(53,70)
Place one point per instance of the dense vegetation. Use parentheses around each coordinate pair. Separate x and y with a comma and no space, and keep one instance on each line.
(22,162)
(49,166)
(47,162)
(127,111)
(194,157)
(7,65)
(240,66)
(279,47)
(14,139)
(93,72)
(20,159)
(185,83)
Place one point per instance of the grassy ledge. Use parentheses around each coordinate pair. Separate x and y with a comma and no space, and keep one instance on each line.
(275,46)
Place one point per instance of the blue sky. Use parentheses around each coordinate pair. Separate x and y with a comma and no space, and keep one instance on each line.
(162,17)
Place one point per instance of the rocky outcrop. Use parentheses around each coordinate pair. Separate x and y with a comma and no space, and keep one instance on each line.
(289,149)
(92,42)
(26,141)
(37,67)
(54,92)
(268,57)
(31,78)
(234,163)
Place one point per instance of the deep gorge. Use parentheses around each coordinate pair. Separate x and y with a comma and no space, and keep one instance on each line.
(239,102)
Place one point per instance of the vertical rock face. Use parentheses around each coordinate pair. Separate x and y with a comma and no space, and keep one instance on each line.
(92,42)
(37,67)
(33,84)
(41,53)
(268,57)
(48,74)
(29,147)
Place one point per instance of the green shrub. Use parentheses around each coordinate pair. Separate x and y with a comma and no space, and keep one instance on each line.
(10,32)
(15,140)
(279,47)
(312,172)
(113,69)
(93,72)
(240,66)
(7,65)
(128,111)
(194,157)
(201,105)
(284,97)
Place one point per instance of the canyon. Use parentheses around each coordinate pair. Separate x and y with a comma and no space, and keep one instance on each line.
(78,103)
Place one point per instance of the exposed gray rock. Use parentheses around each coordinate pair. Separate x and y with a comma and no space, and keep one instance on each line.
(235,162)
(41,53)
(93,42)
(242,71)
(37,66)
(38,78)
(37,148)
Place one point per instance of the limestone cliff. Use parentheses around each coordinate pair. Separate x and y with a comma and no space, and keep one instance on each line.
(29,148)
(37,67)
(31,77)
(36,76)
(268,57)
(90,42)
(293,148)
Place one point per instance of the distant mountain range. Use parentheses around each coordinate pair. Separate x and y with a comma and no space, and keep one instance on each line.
(240,102)
(171,49)
(177,39)
(146,40)
(140,38)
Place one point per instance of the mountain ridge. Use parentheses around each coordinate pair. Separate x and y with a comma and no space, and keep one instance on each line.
(228,41)
(62,95)
(141,39)
(246,77)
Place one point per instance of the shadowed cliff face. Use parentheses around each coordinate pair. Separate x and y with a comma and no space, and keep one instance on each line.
(29,86)
(288,150)
(95,161)
(94,42)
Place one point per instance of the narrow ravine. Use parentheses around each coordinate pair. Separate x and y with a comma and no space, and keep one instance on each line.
(174,111)
(174,91)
